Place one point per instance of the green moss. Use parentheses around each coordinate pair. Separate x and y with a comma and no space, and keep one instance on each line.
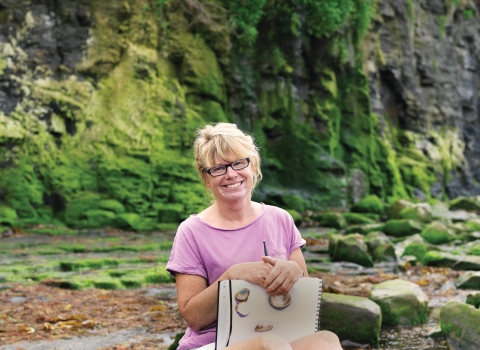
(369,204)
(87,264)
(402,227)
(331,219)
(159,277)
(357,218)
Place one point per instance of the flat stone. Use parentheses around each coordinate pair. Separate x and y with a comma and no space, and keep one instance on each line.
(18,300)
(459,323)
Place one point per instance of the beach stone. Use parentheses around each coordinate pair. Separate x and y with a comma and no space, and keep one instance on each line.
(331,219)
(459,323)
(402,227)
(380,246)
(419,249)
(473,225)
(400,246)
(474,299)
(369,204)
(351,318)
(439,210)
(437,233)
(402,302)
(465,203)
(469,280)
(397,207)
(456,262)
(459,215)
(421,212)
(357,218)
(364,229)
(351,248)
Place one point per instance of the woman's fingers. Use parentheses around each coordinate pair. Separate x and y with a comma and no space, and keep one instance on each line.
(282,277)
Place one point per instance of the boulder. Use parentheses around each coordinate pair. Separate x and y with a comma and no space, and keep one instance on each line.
(350,248)
(397,207)
(458,216)
(402,227)
(439,210)
(421,212)
(400,246)
(456,262)
(473,225)
(418,250)
(369,204)
(469,280)
(357,218)
(474,299)
(351,318)
(380,246)
(112,205)
(364,229)
(437,233)
(465,203)
(97,218)
(331,219)
(402,302)
(459,323)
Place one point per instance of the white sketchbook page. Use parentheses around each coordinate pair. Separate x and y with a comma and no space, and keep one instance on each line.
(295,321)
(223,314)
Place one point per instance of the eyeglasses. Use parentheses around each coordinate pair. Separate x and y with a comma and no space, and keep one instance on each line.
(222,169)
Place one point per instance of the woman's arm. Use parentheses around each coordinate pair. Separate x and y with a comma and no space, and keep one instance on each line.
(197,302)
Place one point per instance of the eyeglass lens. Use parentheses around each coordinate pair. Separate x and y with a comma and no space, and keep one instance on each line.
(222,169)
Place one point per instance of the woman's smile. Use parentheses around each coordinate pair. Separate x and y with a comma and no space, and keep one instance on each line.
(235,185)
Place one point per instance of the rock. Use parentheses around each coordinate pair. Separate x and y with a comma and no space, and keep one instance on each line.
(474,299)
(364,229)
(380,246)
(400,246)
(112,205)
(469,280)
(351,318)
(439,210)
(473,225)
(419,249)
(331,219)
(8,216)
(421,212)
(437,233)
(465,203)
(402,302)
(97,218)
(369,204)
(456,262)
(406,261)
(357,218)
(435,332)
(470,236)
(351,248)
(459,215)
(459,323)
(402,227)
(397,207)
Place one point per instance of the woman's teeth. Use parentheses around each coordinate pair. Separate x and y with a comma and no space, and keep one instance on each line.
(234,185)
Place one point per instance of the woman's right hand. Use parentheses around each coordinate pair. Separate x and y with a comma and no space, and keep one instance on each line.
(254,272)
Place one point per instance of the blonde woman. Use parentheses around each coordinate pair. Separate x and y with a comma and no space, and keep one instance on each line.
(225,241)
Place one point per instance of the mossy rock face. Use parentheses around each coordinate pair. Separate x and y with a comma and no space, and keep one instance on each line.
(97,218)
(8,216)
(421,212)
(129,221)
(380,246)
(352,248)
(418,250)
(334,220)
(473,225)
(402,302)
(437,233)
(402,227)
(465,203)
(369,204)
(456,262)
(332,243)
(474,299)
(459,323)
(357,219)
(397,207)
(365,229)
(469,280)
(112,205)
(351,318)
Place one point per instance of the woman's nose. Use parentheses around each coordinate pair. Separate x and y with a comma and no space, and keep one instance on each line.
(230,171)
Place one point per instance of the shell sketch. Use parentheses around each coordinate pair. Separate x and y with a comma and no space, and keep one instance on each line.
(280,302)
(242,295)
(242,309)
(263,327)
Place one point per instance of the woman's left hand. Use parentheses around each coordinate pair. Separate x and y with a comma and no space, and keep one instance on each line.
(283,275)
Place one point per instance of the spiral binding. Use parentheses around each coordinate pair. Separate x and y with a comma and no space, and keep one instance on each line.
(317,325)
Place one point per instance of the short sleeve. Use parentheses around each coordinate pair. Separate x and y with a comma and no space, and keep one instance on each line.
(296,238)
(185,255)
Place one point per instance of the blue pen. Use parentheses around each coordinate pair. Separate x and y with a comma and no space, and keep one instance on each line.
(265,248)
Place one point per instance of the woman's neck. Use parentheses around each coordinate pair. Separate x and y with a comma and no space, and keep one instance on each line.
(233,215)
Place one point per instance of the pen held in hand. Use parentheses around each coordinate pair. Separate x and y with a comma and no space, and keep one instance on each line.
(265,248)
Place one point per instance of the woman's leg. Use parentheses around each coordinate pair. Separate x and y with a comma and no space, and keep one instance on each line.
(262,342)
(323,340)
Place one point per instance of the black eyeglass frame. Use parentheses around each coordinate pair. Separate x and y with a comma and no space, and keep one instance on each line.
(208,171)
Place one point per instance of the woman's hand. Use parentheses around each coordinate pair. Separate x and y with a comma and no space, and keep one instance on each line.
(283,275)
(254,272)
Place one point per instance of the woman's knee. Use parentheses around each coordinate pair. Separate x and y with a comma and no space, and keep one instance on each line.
(329,336)
(273,342)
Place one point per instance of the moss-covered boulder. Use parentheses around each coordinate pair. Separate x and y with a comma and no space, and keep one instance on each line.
(112,205)
(469,280)
(465,203)
(130,221)
(474,299)
(402,302)
(421,212)
(97,218)
(459,323)
(351,318)
(357,219)
(331,219)
(8,216)
(397,207)
(380,246)
(418,250)
(456,262)
(352,248)
(437,233)
(369,204)
(402,227)
(402,243)
(332,243)
(473,225)
(365,229)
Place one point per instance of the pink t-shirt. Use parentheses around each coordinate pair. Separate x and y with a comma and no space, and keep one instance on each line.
(201,249)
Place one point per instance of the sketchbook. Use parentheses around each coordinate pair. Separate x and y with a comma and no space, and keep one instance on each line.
(245,310)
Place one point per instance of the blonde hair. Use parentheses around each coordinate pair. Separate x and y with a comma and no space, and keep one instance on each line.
(228,142)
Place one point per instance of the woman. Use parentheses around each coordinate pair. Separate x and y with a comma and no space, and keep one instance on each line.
(225,241)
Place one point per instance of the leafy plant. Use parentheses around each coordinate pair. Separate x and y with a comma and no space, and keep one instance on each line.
(243,17)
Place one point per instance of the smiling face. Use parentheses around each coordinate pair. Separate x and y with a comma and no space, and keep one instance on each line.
(234,185)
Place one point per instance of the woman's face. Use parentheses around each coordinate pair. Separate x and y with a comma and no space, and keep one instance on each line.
(234,185)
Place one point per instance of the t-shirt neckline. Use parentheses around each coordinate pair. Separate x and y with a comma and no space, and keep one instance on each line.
(195,216)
